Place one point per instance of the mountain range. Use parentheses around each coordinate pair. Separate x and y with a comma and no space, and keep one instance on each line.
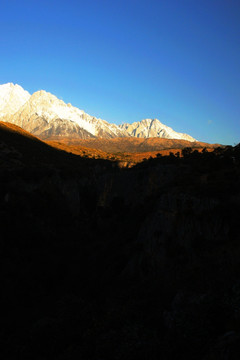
(48,117)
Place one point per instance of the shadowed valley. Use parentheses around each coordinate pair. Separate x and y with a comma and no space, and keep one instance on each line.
(105,262)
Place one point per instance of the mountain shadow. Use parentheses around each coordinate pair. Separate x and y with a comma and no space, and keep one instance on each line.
(103,262)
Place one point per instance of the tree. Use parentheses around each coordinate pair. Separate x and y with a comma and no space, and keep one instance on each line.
(186,152)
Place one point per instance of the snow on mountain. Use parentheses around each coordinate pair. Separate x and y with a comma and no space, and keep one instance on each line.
(41,111)
(12,97)
(153,128)
(44,115)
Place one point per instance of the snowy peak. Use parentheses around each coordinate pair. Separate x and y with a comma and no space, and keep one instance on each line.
(12,97)
(44,115)
(50,107)
(65,119)
(153,128)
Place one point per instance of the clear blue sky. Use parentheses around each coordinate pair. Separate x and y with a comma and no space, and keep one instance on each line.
(123,61)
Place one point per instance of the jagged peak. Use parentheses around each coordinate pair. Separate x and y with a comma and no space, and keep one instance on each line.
(147,121)
(44,95)
(15,100)
(150,121)
(11,87)
(12,97)
(7,85)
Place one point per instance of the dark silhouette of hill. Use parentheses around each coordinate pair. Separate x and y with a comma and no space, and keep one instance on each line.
(24,149)
(103,262)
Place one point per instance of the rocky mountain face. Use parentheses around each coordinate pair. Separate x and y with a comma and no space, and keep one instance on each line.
(45,116)
(153,128)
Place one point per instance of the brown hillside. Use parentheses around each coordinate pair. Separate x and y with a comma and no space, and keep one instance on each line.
(19,148)
(11,128)
(134,145)
(128,151)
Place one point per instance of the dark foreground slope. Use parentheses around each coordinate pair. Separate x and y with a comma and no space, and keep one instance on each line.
(106,263)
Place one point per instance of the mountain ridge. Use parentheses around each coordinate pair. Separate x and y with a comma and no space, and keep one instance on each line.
(46,116)
(147,128)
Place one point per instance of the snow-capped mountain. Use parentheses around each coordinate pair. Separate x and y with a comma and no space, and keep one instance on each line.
(153,128)
(46,116)
(12,97)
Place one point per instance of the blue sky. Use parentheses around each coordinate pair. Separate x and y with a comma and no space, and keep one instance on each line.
(123,61)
